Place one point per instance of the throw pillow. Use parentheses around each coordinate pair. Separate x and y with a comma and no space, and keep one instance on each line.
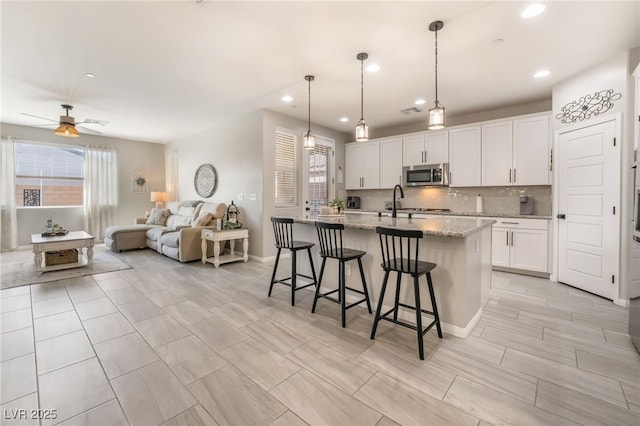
(187,211)
(157,217)
(202,220)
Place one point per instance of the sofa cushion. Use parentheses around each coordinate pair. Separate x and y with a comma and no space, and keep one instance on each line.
(203,219)
(217,210)
(154,234)
(158,217)
(171,239)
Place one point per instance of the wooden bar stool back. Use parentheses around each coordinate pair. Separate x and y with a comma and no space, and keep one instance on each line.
(331,247)
(400,254)
(283,232)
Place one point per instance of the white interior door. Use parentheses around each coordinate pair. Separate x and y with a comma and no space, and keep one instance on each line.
(589,198)
(317,176)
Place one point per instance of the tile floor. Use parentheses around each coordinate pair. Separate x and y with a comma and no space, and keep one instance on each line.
(175,344)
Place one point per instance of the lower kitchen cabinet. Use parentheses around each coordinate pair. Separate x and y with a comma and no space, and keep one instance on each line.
(521,244)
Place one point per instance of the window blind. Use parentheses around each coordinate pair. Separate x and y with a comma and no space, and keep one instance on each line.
(286,171)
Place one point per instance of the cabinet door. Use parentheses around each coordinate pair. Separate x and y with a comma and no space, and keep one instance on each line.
(413,150)
(529,249)
(464,156)
(496,154)
(371,161)
(500,247)
(531,147)
(436,147)
(353,166)
(390,162)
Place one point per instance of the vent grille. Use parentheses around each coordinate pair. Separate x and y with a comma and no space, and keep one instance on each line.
(411,110)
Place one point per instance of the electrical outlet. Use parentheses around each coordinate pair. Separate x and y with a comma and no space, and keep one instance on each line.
(240,197)
(253,197)
(347,270)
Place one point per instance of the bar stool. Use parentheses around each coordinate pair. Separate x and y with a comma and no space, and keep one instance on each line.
(330,238)
(397,247)
(283,230)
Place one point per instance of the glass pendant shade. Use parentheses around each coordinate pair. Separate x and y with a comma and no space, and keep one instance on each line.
(308,141)
(67,130)
(362,131)
(436,117)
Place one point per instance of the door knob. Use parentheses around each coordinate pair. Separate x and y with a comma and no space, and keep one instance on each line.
(561,216)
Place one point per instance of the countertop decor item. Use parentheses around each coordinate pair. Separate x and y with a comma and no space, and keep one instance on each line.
(232,217)
(337,204)
(205,180)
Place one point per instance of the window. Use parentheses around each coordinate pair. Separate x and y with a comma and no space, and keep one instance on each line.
(286,170)
(49,175)
(318,185)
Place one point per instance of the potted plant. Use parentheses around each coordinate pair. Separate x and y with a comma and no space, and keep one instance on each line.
(337,204)
(140,181)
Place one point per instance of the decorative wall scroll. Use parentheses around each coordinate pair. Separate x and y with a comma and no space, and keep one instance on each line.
(588,106)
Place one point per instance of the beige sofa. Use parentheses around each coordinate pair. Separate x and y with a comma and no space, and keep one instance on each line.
(178,236)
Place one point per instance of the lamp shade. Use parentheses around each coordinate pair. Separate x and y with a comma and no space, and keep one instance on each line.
(158,198)
(436,117)
(67,130)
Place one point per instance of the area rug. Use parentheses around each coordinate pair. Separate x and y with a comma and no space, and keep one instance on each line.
(17,268)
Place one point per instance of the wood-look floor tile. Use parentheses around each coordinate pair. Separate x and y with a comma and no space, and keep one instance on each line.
(12,414)
(107,414)
(530,345)
(534,308)
(140,310)
(278,337)
(14,303)
(535,330)
(340,339)
(331,406)
(124,354)
(617,338)
(217,333)
(289,316)
(161,330)
(15,320)
(56,325)
(81,291)
(609,367)
(346,373)
(95,308)
(495,310)
(496,407)
(166,297)
(107,327)
(51,306)
(288,419)
(517,385)
(62,351)
(407,406)
(518,300)
(85,387)
(194,416)
(152,394)
(582,408)
(16,343)
(594,346)
(563,375)
(261,364)
(188,312)
(632,393)
(190,359)
(482,349)
(236,314)
(598,321)
(17,378)
(408,368)
(233,399)
(115,283)
(582,331)
(125,295)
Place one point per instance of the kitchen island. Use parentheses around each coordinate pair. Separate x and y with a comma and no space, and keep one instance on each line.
(460,247)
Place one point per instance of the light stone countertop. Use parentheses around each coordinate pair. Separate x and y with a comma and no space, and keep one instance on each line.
(435,227)
(454,213)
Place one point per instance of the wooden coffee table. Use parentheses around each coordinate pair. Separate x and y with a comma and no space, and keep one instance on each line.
(73,240)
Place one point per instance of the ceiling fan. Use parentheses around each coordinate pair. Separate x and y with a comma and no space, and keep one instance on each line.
(67,124)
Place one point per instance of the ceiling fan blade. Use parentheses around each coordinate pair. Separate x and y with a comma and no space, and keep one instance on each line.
(52,125)
(93,121)
(88,130)
(37,116)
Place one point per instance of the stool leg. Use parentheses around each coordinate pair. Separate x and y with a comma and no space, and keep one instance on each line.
(397,300)
(294,276)
(313,269)
(379,307)
(317,296)
(433,304)
(364,285)
(275,268)
(416,289)
(342,292)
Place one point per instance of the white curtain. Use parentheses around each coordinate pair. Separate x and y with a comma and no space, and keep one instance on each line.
(100,190)
(8,217)
(171,174)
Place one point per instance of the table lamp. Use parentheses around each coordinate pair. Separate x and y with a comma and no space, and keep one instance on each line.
(158,198)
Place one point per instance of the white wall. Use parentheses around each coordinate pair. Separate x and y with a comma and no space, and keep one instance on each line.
(132,155)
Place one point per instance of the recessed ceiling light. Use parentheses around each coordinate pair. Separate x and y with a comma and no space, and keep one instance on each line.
(287,98)
(344,119)
(542,73)
(420,102)
(90,74)
(533,10)
(373,68)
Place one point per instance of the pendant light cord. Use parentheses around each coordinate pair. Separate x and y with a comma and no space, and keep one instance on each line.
(362,89)
(309,127)
(436,66)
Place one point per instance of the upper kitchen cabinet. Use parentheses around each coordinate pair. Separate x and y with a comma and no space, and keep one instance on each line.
(465,156)
(425,148)
(390,162)
(362,165)
(516,152)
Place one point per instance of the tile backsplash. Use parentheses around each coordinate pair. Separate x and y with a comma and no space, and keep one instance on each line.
(498,200)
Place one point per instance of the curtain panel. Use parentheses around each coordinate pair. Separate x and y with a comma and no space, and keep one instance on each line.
(8,216)
(100,190)
(171,174)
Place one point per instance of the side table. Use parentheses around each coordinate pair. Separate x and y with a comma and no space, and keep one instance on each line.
(230,235)
(140,220)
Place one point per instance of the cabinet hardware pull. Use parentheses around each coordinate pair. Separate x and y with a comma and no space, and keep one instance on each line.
(514,175)
(511,238)
(507,237)
(510,223)
(509,175)
(425,156)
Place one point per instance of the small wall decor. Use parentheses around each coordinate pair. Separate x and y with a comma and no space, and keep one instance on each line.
(205,180)
(588,106)
(139,181)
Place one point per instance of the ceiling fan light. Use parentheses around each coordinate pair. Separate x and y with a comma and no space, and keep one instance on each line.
(67,130)
(436,117)
(362,131)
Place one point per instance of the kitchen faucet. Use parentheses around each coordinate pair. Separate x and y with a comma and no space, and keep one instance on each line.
(393,209)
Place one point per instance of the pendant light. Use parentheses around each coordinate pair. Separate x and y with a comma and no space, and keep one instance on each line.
(309,141)
(362,130)
(436,114)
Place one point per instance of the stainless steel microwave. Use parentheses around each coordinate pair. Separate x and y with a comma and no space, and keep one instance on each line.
(426,175)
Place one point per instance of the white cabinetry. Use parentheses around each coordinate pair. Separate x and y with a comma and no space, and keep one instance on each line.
(362,165)
(390,162)
(520,244)
(464,156)
(425,148)
(497,153)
